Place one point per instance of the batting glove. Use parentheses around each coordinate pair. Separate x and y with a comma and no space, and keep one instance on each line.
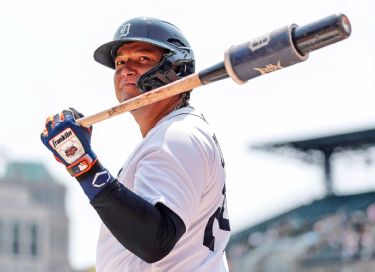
(71,145)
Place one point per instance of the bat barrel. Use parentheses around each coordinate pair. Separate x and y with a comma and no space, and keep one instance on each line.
(265,54)
(283,47)
(276,50)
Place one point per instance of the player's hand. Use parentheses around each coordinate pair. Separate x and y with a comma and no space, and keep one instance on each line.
(69,142)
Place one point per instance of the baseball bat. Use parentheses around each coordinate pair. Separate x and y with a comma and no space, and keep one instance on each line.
(271,52)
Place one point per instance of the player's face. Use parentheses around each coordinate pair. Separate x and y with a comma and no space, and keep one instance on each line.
(133,60)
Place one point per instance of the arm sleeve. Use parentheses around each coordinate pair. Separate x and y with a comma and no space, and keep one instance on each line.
(149,231)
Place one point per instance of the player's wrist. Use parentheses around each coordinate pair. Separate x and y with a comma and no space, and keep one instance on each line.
(95,180)
(82,165)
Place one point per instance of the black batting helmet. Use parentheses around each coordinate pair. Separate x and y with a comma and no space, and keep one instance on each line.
(177,62)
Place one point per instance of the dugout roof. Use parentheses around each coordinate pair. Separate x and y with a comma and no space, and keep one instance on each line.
(345,141)
(326,145)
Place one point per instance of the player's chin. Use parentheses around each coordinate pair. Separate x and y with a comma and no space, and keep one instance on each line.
(127,93)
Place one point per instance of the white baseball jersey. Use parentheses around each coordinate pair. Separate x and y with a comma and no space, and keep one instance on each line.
(179,163)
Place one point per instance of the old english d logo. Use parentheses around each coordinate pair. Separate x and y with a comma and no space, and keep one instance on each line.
(124,30)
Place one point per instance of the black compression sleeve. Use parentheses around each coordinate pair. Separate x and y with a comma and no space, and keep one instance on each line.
(148,231)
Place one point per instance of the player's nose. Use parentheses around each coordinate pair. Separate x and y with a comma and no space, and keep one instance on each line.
(128,69)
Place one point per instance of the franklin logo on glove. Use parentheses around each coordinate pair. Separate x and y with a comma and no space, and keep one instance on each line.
(61,138)
(67,145)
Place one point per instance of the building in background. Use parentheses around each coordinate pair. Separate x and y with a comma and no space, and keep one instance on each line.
(33,220)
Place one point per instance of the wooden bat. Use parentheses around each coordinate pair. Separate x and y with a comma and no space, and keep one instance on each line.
(276,50)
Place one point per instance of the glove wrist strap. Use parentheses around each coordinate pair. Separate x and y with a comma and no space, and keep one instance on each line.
(81,166)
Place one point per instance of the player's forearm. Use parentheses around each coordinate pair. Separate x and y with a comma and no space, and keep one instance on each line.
(148,231)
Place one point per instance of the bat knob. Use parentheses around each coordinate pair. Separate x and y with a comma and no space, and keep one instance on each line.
(345,23)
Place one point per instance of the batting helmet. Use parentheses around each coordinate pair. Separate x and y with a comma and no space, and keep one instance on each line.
(177,62)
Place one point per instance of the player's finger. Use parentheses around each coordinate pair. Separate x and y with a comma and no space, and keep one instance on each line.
(76,113)
(49,123)
(56,120)
(67,115)
(44,133)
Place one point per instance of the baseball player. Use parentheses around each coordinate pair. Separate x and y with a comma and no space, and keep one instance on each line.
(166,209)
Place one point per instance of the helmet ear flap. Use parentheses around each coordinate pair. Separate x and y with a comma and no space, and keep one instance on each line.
(185,69)
(182,70)
(167,71)
(161,74)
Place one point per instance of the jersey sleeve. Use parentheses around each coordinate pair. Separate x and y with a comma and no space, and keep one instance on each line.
(173,171)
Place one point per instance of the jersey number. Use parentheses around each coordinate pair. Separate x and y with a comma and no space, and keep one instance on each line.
(209,238)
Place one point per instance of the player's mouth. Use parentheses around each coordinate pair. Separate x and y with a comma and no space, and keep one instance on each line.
(126,84)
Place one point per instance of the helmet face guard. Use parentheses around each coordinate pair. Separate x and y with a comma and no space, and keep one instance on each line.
(178,61)
(167,71)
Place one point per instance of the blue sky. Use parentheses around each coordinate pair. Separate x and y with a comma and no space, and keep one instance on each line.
(47,65)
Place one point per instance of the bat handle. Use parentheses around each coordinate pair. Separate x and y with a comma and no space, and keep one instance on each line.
(214,73)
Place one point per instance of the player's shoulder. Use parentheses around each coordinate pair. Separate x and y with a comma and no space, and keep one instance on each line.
(181,125)
(186,120)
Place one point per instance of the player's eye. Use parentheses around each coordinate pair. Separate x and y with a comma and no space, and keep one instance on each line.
(144,59)
(119,63)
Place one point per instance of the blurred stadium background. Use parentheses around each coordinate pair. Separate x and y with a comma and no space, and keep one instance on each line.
(333,234)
